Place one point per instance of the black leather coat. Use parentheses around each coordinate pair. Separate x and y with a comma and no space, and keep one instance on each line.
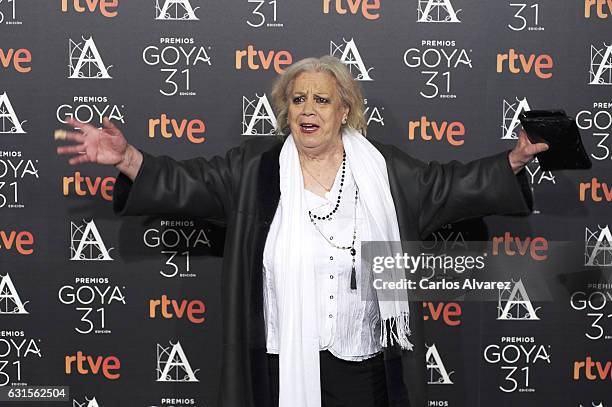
(241,192)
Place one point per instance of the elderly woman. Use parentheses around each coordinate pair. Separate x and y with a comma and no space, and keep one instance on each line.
(296,330)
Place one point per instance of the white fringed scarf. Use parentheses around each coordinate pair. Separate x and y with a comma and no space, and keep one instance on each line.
(294,274)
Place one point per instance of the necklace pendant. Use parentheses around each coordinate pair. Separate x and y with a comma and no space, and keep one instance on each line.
(328,195)
(353,278)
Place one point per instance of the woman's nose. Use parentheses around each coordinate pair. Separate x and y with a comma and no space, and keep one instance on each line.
(308,107)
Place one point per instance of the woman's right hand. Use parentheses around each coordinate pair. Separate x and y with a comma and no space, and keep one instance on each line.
(102,146)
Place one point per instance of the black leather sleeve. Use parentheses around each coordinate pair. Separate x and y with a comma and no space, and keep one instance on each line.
(196,187)
(455,191)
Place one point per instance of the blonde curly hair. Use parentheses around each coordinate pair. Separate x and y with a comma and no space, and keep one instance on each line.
(349,90)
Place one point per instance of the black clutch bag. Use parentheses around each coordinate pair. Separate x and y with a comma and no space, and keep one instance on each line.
(560,132)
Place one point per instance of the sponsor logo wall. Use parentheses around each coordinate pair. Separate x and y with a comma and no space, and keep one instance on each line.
(127,311)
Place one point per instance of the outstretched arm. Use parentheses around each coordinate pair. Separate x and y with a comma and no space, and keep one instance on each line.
(494,185)
(149,185)
(455,191)
(196,187)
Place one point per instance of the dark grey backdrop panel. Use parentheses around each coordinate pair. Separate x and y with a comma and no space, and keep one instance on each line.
(436,59)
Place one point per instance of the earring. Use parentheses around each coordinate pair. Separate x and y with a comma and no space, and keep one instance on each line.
(344,120)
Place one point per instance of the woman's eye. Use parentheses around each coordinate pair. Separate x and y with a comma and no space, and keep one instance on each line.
(300,99)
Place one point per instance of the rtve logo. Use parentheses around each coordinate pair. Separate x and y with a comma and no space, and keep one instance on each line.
(169,128)
(259,59)
(449,312)
(513,245)
(430,130)
(603,8)
(595,186)
(108,8)
(91,186)
(20,59)
(169,309)
(89,365)
(22,241)
(355,6)
(518,63)
(592,370)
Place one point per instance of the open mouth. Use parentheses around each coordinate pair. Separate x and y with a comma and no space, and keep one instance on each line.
(309,127)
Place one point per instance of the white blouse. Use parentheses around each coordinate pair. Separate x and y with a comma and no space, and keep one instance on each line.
(349,326)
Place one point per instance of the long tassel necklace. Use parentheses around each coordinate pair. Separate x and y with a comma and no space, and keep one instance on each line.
(351,248)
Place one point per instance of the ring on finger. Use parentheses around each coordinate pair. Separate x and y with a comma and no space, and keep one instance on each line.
(59,134)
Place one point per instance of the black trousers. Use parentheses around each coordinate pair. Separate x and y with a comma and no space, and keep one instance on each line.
(344,383)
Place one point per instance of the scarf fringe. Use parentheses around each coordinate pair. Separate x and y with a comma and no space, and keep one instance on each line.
(396,330)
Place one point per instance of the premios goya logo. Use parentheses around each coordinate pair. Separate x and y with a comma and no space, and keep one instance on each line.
(600,72)
(258,118)
(86,243)
(175,10)
(598,246)
(264,13)
(596,303)
(10,301)
(373,114)
(15,171)
(85,60)
(178,59)
(91,110)
(348,53)
(9,122)
(176,240)
(514,304)
(436,370)
(8,12)
(86,402)
(517,357)
(16,351)
(173,365)
(448,237)
(176,402)
(526,17)
(511,109)
(598,120)
(437,61)
(92,297)
(437,11)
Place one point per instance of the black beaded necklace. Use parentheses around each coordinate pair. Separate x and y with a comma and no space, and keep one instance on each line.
(328,216)
(350,248)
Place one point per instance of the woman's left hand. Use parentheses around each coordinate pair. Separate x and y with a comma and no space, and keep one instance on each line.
(524,151)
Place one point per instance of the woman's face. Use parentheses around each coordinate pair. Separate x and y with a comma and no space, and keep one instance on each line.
(315,111)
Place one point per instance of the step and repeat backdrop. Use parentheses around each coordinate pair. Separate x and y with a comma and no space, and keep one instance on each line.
(126,311)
